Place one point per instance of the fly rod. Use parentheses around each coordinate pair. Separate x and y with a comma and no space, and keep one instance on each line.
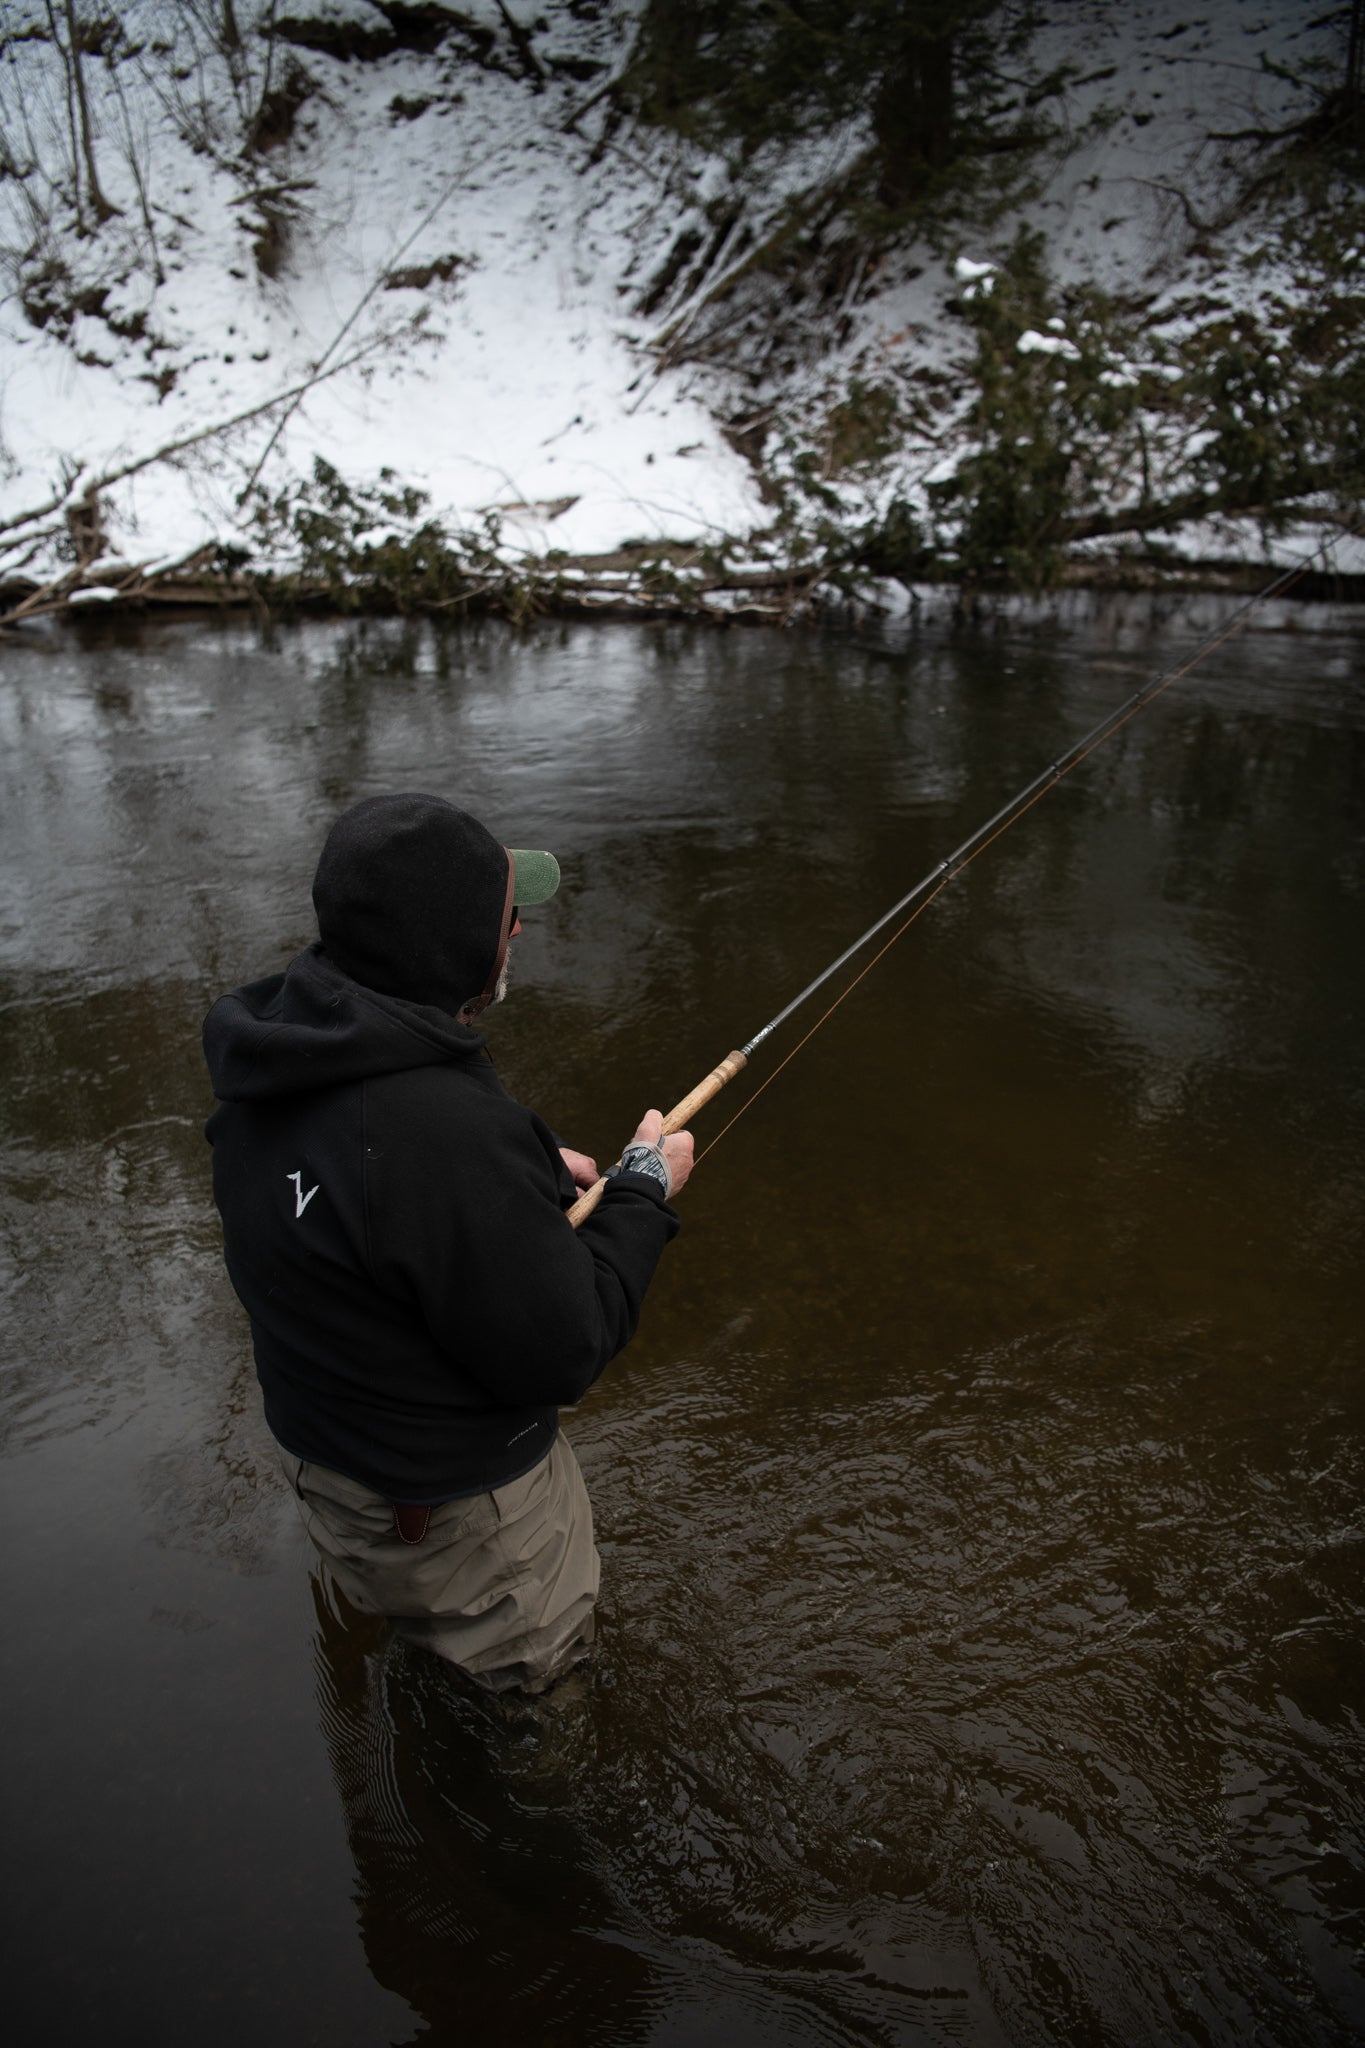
(938,877)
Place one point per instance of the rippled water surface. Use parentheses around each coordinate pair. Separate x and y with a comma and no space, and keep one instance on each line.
(981,1504)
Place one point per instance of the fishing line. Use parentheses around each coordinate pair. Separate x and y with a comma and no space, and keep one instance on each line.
(948,869)
(1008,815)
(768,1079)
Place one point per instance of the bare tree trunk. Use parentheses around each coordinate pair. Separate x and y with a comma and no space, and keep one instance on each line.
(103,208)
(1355,72)
(670,33)
(70,121)
(255,126)
(912,117)
(139,181)
(230,43)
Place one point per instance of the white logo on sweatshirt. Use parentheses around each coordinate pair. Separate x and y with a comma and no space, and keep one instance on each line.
(301,1200)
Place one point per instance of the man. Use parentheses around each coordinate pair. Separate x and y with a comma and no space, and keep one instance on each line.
(394,1225)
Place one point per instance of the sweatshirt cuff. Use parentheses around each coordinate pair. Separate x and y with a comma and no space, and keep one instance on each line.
(637,1184)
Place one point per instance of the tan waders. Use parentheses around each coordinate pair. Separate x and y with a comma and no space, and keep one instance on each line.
(502,1584)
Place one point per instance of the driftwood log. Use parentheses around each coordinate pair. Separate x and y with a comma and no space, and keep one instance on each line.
(618,586)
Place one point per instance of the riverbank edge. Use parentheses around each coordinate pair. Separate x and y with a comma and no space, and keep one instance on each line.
(614,587)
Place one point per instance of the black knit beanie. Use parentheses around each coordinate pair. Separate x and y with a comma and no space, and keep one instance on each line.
(410,895)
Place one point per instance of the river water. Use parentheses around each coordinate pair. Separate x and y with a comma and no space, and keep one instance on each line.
(980,1505)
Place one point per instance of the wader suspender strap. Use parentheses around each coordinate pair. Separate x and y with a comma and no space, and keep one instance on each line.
(411,1524)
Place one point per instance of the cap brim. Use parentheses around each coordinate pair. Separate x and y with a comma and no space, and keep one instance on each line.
(535,876)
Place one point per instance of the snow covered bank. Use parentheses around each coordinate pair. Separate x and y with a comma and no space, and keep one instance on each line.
(416,240)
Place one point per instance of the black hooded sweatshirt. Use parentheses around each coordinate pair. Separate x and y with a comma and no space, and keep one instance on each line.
(393,1223)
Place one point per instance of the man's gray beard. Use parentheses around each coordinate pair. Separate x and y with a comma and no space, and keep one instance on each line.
(465,1015)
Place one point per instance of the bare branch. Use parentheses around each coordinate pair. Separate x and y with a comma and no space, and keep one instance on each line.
(158,273)
(105,482)
(1149,517)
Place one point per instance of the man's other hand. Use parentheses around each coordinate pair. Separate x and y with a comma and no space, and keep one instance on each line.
(677,1150)
(583,1169)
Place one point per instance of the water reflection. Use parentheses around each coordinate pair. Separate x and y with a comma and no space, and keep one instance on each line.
(981,1651)
(467,1899)
(482,1899)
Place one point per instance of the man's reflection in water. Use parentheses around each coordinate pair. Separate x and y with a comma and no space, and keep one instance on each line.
(477,1901)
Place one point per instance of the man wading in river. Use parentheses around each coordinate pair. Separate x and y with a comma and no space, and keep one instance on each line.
(394,1225)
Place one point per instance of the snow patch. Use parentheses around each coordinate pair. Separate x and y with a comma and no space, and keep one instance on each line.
(976,279)
(524,380)
(1032,343)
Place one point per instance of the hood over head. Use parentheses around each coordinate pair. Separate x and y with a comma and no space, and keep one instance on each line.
(413,899)
(313,1027)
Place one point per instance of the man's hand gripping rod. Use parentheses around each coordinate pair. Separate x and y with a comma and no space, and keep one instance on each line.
(679,1115)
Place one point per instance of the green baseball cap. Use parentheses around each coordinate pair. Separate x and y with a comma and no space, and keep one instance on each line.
(535,876)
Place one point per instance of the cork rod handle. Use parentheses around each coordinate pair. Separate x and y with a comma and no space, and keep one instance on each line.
(680,1115)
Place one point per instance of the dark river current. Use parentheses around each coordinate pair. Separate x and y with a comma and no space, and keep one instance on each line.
(981,1511)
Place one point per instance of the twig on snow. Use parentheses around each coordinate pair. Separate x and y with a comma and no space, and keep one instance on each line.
(171,449)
